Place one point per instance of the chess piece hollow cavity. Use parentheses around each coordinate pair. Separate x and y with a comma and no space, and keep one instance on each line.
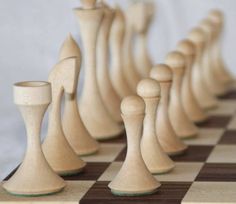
(34,177)
(75,131)
(134,178)
(167,137)
(155,158)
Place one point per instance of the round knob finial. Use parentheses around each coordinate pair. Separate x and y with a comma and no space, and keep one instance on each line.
(161,73)
(132,105)
(175,60)
(148,88)
(186,47)
(88,4)
(197,35)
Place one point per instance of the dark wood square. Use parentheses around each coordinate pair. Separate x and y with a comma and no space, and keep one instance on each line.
(92,171)
(168,193)
(121,156)
(229,137)
(216,122)
(229,95)
(194,154)
(217,172)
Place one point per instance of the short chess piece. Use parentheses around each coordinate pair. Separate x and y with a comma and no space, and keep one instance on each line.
(34,177)
(167,137)
(134,178)
(181,123)
(75,131)
(157,161)
(56,148)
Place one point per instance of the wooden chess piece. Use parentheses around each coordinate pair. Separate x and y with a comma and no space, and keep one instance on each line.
(190,104)
(217,18)
(130,69)
(75,131)
(183,126)
(215,86)
(167,137)
(117,34)
(204,97)
(34,177)
(141,27)
(56,148)
(94,114)
(134,177)
(155,158)
(110,97)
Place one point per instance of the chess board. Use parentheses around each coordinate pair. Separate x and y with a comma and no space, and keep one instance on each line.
(206,173)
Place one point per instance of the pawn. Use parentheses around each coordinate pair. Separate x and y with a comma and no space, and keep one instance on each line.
(75,131)
(203,95)
(181,123)
(167,137)
(134,177)
(155,158)
(190,104)
(56,148)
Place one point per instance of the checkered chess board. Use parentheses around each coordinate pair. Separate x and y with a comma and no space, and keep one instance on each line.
(206,173)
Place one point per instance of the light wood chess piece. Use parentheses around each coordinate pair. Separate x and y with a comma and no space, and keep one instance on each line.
(117,34)
(215,86)
(190,104)
(75,131)
(94,114)
(134,177)
(141,24)
(155,158)
(217,18)
(167,137)
(183,126)
(203,95)
(56,148)
(130,70)
(34,177)
(110,98)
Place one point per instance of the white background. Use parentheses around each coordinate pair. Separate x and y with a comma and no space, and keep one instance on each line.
(31,33)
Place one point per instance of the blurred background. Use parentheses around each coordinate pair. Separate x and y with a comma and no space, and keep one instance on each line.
(32,31)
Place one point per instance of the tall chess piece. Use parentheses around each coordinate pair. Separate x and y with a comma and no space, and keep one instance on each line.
(117,34)
(94,114)
(56,148)
(215,86)
(190,104)
(134,177)
(34,177)
(167,137)
(181,123)
(155,158)
(130,70)
(217,17)
(204,97)
(110,97)
(75,131)
(142,25)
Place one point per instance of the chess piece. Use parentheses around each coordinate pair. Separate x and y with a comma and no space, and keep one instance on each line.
(167,137)
(34,177)
(117,34)
(134,177)
(110,97)
(130,70)
(204,97)
(141,26)
(183,126)
(94,114)
(216,87)
(75,131)
(155,158)
(190,104)
(217,18)
(56,148)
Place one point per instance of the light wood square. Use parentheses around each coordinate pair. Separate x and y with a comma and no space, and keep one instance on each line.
(227,107)
(232,124)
